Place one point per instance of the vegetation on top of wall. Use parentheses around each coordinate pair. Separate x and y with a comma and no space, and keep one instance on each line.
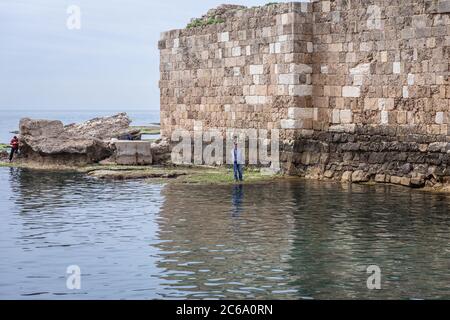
(204,22)
(271,4)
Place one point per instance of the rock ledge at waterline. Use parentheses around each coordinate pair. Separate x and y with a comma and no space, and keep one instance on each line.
(50,142)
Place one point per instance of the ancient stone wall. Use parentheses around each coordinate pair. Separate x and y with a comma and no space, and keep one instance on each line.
(244,73)
(359,88)
(383,63)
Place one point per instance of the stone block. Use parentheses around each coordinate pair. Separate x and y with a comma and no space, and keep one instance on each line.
(133,153)
(291,124)
(351,92)
(336,116)
(256,69)
(346,116)
(300,90)
(326,6)
(384,56)
(384,117)
(443,6)
(236,51)
(396,67)
(300,113)
(288,79)
(224,37)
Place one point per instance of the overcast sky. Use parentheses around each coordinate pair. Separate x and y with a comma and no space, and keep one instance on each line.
(112,62)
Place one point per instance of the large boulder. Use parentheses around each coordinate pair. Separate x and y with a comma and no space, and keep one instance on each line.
(77,144)
(103,128)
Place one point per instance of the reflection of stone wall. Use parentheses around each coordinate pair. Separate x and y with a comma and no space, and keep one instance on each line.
(354,85)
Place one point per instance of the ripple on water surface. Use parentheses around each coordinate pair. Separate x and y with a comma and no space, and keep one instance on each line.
(285,240)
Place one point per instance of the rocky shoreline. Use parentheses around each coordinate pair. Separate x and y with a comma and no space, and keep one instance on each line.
(109,148)
(370,154)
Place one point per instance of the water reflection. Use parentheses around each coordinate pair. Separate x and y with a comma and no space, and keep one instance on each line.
(207,253)
(283,240)
(238,194)
(304,240)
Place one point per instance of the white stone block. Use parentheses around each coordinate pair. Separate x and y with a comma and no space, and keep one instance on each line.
(258,79)
(361,69)
(251,99)
(288,79)
(275,47)
(300,68)
(326,6)
(358,80)
(224,37)
(255,99)
(336,116)
(385,104)
(384,56)
(346,116)
(236,51)
(291,124)
(283,38)
(440,118)
(397,67)
(384,117)
(287,18)
(374,21)
(300,113)
(351,92)
(324,69)
(248,50)
(310,47)
(176,43)
(256,69)
(300,90)
(405,92)
(304,7)
(411,79)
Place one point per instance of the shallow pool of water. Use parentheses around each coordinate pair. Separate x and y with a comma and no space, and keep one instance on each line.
(284,240)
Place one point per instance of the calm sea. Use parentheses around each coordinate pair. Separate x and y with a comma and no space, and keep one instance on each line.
(9,119)
(280,240)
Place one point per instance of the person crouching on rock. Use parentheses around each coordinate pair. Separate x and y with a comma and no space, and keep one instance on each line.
(14,147)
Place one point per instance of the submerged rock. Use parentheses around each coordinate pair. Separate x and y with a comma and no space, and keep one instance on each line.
(77,144)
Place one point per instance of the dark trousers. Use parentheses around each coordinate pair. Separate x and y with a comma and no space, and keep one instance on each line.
(11,154)
(238,172)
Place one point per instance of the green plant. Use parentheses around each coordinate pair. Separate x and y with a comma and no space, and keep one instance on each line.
(201,22)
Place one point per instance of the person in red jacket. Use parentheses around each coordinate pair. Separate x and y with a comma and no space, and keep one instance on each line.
(14,147)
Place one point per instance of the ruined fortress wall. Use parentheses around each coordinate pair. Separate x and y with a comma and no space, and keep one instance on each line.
(381,70)
(359,88)
(243,73)
(383,63)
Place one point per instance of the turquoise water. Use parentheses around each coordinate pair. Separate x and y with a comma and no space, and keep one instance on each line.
(9,119)
(283,240)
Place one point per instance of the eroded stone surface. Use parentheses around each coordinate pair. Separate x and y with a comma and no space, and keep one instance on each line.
(51,142)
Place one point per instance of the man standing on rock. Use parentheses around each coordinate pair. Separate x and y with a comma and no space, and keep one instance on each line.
(238,162)
(14,147)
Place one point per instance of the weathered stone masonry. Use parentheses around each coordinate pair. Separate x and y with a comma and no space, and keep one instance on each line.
(359,88)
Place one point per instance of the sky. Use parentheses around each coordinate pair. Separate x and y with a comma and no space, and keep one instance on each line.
(111,62)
